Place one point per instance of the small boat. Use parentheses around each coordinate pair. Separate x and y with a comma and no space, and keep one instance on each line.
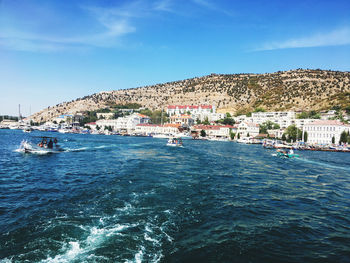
(175,142)
(162,136)
(42,148)
(287,154)
(27,129)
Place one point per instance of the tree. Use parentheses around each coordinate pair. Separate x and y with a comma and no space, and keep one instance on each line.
(98,127)
(268,125)
(343,137)
(203,133)
(305,136)
(238,136)
(206,121)
(259,109)
(333,140)
(293,133)
(232,135)
(69,120)
(284,137)
(248,134)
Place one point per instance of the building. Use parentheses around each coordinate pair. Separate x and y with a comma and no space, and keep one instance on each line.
(322,131)
(150,129)
(105,115)
(184,120)
(190,109)
(248,129)
(125,124)
(328,115)
(214,131)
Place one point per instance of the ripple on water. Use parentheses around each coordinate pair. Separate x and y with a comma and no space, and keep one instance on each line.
(124,199)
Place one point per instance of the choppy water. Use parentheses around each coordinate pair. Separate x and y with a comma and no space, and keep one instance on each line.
(125,199)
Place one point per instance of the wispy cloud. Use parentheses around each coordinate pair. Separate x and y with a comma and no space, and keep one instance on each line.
(336,37)
(164,5)
(110,24)
(211,6)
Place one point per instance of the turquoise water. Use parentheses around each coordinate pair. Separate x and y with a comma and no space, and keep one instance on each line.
(128,199)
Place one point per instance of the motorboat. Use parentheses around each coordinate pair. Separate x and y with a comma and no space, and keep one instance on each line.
(43,147)
(162,136)
(175,142)
(286,154)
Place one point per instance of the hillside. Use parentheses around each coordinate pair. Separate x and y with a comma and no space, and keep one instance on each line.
(294,89)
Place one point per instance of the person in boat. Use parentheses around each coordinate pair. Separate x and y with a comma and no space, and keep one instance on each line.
(50,144)
(55,141)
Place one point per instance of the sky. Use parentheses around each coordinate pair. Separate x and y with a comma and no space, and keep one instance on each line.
(56,51)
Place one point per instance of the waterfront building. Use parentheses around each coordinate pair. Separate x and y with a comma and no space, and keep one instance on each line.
(184,120)
(214,131)
(124,124)
(322,131)
(248,129)
(148,129)
(275,133)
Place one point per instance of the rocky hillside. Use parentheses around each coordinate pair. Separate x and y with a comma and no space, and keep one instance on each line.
(295,89)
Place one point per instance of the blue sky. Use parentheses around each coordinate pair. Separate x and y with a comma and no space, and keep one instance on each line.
(55,51)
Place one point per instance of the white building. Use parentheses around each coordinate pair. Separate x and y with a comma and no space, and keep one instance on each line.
(124,124)
(248,129)
(327,115)
(215,131)
(184,120)
(190,109)
(322,131)
(105,115)
(283,118)
(148,129)
(197,112)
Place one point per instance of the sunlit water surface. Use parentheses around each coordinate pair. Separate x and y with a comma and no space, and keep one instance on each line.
(128,199)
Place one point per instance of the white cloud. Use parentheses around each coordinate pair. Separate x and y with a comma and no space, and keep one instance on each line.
(110,25)
(334,38)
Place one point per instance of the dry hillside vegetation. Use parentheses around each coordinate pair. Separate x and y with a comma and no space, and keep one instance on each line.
(296,89)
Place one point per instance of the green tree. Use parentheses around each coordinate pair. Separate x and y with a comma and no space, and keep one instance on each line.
(293,133)
(206,121)
(305,136)
(232,135)
(343,137)
(284,137)
(333,140)
(98,127)
(268,125)
(259,109)
(203,133)
(238,136)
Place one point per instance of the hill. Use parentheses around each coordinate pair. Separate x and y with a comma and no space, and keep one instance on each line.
(237,93)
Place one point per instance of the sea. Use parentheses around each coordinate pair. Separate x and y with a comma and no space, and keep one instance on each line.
(134,199)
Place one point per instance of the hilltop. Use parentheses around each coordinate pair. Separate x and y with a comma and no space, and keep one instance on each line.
(237,93)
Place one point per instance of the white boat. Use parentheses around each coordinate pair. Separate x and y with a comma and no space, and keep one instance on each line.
(163,136)
(64,131)
(175,142)
(27,147)
(27,129)
(218,139)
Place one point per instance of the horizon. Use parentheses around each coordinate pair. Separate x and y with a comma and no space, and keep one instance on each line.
(71,50)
